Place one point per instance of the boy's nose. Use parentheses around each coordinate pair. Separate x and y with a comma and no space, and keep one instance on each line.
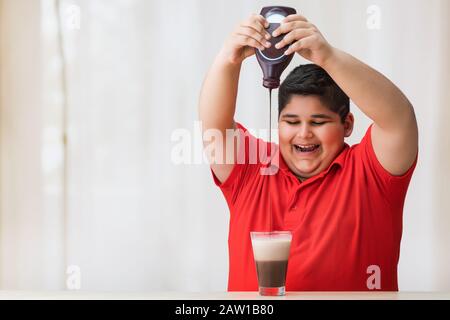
(304,132)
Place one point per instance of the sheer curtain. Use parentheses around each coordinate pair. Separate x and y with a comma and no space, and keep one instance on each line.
(91,93)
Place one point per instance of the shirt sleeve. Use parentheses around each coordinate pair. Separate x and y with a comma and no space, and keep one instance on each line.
(393,187)
(249,162)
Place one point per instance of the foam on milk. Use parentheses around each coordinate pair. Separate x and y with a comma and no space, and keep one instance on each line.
(271,249)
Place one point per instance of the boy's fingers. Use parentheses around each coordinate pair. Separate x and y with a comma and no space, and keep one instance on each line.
(259,28)
(253,24)
(294,17)
(247,40)
(261,20)
(301,44)
(251,32)
(289,26)
(294,35)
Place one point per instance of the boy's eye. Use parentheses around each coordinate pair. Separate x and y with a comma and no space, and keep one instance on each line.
(314,123)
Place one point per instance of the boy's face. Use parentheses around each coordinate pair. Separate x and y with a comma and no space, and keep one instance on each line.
(311,135)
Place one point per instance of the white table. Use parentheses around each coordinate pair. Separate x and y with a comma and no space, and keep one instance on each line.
(80,295)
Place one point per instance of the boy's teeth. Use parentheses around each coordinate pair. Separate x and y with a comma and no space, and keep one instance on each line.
(307,148)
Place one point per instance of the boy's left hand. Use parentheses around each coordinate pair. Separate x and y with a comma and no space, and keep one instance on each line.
(303,38)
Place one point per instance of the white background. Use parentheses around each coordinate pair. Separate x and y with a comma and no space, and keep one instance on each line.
(125,76)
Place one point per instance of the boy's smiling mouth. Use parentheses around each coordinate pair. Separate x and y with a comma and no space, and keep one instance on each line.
(306,149)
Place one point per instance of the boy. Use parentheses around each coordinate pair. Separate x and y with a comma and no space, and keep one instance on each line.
(343,204)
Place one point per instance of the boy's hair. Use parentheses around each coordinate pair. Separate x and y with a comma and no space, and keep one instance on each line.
(310,79)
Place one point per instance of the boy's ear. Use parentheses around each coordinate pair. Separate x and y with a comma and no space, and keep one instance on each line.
(348,125)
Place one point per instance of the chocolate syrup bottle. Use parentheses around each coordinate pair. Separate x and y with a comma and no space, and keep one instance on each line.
(272,60)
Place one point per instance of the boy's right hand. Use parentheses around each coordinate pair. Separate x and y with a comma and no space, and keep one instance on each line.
(249,35)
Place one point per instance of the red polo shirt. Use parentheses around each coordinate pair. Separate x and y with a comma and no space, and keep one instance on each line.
(346,221)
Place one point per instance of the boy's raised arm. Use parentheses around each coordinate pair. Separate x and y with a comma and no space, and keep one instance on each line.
(218,95)
(395,132)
